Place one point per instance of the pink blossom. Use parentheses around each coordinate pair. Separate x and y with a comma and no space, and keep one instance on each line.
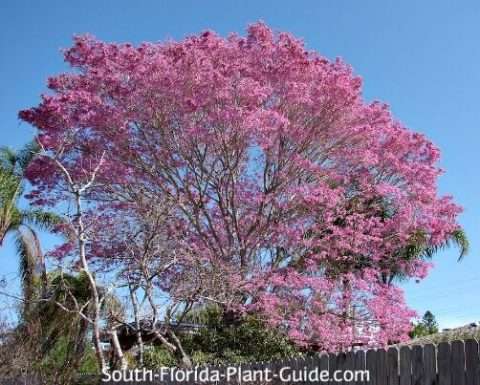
(291,196)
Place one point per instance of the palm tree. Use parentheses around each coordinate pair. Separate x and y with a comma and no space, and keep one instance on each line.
(68,328)
(419,248)
(23,223)
(54,339)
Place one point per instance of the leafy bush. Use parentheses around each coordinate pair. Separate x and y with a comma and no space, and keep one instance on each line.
(235,341)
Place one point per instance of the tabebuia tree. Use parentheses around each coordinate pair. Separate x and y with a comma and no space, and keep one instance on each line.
(289,196)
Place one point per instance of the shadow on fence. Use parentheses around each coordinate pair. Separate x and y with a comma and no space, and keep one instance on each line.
(455,363)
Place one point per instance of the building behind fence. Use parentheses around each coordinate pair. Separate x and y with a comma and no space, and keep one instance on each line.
(455,363)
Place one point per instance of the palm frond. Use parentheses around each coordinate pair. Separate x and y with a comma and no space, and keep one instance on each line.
(418,248)
(8,159)
(457,238)
(26,155)
(56,322)
(66,285)
(9,186)
(27,257)
(16,162)
(44,220)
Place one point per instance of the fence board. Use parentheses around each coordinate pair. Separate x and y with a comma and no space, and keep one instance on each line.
(332,367)
(276,370)
(418,367)
(393,368)
(458,363)
(323,364)
(341,362)
(323,357)
(360,365)
(244,367)
(382,376)
(350,364)
(310,365)
(371,366)
(444,364)
(293,364)
(430,364)
(405,365)
(472,375)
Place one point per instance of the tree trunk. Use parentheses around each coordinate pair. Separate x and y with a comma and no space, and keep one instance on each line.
(182,357)
(138,330)
(82,240)
(118,349)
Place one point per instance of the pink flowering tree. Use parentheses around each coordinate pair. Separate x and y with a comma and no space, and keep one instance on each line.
(290,195)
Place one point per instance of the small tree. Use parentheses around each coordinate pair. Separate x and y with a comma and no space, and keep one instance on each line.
(430,322)
(428,325)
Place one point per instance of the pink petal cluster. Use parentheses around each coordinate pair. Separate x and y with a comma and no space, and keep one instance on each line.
(290,194)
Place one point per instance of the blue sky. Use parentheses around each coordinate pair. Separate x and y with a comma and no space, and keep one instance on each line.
(421,57)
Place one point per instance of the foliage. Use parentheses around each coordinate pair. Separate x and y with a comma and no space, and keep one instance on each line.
(220,341)
(55,359)
(428,325)
(51,343)
(288,195)
(245,340)
(23,223)
(157,357)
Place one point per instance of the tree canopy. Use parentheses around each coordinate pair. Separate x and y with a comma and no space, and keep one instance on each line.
(244,171)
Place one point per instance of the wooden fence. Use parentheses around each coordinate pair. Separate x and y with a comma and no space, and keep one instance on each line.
(456,363)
